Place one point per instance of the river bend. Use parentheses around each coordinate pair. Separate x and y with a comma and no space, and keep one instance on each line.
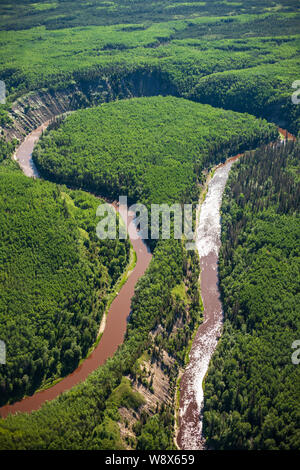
(119,311)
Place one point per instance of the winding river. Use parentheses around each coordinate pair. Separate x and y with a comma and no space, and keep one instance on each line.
(116,321)
(208,243)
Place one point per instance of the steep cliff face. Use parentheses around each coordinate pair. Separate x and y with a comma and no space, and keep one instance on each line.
(31,110)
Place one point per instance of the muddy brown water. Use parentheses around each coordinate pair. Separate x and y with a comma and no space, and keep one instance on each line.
(119,311)
(23,153)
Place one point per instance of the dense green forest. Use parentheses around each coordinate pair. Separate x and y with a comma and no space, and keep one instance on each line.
(59,14)
(44,46)
(241,56)
(252,387)
(151,149)
(6,149)
(55,277)
(90,411)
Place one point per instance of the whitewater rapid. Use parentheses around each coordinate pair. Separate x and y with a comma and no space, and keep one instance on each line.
(208,242)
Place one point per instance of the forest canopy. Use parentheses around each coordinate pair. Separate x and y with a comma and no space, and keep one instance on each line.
(43,47)
(200,65)
(151,149)
(55,278)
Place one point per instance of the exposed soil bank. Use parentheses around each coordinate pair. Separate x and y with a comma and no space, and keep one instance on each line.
(116,321)
(35,108)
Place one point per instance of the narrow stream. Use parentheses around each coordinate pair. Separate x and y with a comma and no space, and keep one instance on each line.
(116,321)
(208,244)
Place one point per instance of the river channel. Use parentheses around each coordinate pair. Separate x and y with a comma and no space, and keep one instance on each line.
(119,311)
